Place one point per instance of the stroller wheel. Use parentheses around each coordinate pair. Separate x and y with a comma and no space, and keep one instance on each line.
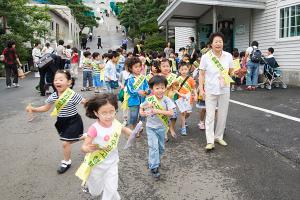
(269,87)
(262,86)
(284,86)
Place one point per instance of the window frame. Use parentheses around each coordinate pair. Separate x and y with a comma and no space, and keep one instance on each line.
(282,5)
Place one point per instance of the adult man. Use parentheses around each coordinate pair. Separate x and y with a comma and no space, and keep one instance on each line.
(10,58)
(61,51)
(252,66)
(99,43)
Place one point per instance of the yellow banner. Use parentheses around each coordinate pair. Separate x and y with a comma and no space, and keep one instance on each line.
(62,101)
(163,118)
(218,65)
(171,78)
(96,157)
(185,85)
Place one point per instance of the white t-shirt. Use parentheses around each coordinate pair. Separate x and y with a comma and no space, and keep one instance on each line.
(101,136)
(212,74)
(36,54)
(110,71)
(249,51)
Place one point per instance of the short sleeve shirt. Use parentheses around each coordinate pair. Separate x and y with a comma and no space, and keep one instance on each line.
(70,108)
(101,136)
(153,121)
(212,74)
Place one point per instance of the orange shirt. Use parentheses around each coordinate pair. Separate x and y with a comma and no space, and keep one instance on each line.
(187,88)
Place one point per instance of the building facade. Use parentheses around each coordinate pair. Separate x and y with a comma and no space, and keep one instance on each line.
(63,25)
(273,23)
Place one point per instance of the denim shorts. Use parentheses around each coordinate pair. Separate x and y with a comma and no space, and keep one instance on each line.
(174,116)
(133,114)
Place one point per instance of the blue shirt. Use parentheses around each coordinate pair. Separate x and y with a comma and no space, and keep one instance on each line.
(134,98)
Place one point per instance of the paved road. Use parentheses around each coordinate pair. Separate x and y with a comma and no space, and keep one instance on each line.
(261,162)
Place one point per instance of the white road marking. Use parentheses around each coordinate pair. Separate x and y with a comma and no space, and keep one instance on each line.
(267,111)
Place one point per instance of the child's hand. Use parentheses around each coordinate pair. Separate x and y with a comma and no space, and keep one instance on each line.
(91,148)
(142,92)
(156,111)
(28,108)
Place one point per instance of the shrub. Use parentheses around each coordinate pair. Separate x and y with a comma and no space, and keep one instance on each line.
(155,42)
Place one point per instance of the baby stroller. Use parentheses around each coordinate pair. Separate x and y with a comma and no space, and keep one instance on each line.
(271,74)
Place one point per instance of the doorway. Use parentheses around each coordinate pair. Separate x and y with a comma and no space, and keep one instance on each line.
(226,27)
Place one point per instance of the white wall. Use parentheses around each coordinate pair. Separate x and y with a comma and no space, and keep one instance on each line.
(182,35)
(265,27)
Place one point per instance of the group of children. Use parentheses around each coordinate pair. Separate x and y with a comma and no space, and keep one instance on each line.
(148,90)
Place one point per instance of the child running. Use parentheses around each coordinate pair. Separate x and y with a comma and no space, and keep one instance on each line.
(69,123)
(172,83)
(98,72)
(101,144)
(137,89)
(157,108)
(187,90)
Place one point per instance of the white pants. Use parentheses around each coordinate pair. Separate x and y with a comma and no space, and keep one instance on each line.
(74,70)
(104,180)
(211,102)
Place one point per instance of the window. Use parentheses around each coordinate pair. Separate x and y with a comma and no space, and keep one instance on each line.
(289,25)
(52,25)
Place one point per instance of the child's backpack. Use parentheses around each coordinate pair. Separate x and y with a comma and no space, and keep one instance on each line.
(256,55)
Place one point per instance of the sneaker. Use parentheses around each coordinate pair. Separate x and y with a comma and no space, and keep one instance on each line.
(232,89)
(15,85)
(221,142)
(83,89)
(209,146)
(253,88)
(8,87)
(155,173)
(183,132)
(85,189)
(64,166)
(249,88)
(201,125)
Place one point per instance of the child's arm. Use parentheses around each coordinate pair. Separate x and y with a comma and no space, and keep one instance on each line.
(126,131)
(43,108)
(88,146)
(84,101)
(164,112)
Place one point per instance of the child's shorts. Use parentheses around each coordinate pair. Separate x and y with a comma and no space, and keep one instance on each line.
(174,116)
(69,128)
(97,81)
(200,104)
(133,114)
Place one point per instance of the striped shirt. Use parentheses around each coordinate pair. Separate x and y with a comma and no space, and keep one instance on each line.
(87,64)
(69,109)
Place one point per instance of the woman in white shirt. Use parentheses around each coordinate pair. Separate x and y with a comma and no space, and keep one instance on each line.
(214,86)
(47,49)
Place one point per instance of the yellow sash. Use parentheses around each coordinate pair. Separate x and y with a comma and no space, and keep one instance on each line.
(185,85)
(218,66)
(157,105)
(62,101)
(137,84)
(149,76)
(97,157)
(171,78)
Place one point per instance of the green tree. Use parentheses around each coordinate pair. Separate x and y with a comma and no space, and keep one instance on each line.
(22,23)
(83,14)
(140,16)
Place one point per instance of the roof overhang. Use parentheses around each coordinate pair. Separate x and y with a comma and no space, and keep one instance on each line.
(191,10)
